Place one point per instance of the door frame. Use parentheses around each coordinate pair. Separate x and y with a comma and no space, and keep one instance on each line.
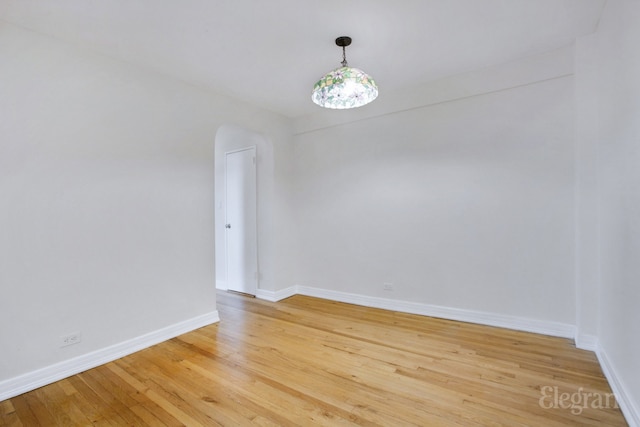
(255,251)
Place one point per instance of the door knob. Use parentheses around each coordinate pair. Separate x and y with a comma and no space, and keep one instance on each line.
(227,226)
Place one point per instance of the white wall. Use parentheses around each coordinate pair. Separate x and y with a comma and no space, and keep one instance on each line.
(106,199)
(619,180)
(465,203)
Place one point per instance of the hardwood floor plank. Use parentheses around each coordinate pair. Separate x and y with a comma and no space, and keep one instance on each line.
(193,395)
(155,393)
(113,397)
(307,361)
(42,415)
(8,416)
(97,410)
(23,411)
(61,406)
(148,418)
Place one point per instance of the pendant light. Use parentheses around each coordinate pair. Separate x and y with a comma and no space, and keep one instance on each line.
(344,87)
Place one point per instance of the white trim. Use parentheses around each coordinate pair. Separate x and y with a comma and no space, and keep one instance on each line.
(52,373)
(586,342)
(483,318)
(275,296)
(221,285)
(556,329)
(629,409)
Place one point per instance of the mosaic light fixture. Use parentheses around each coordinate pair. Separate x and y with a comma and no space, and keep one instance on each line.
(344,87)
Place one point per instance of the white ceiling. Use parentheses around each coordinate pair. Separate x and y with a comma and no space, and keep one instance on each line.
(270,53)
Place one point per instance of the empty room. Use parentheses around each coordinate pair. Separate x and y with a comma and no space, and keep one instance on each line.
(291,213)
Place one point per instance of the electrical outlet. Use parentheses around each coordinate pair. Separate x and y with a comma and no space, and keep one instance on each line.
(70,339)
(387,286)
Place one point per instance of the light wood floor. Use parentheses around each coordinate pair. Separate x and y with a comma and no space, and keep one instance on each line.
(305,361)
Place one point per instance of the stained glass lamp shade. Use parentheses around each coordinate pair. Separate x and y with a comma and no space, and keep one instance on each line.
(344,87)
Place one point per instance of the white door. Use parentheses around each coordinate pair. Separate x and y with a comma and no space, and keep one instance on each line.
(240,226)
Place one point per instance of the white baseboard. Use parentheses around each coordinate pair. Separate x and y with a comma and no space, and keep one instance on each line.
(629,409)
(221,285)
(49,374)
(275,296)
(586,342)
(483,318)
